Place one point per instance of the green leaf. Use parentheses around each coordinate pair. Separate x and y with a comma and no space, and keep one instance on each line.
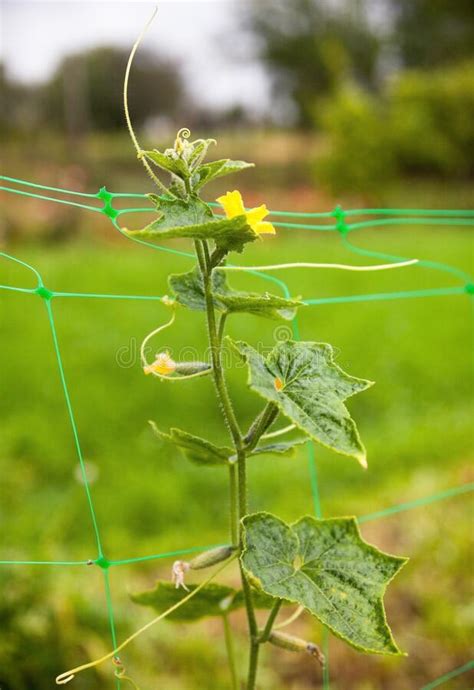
(171,162)
(309,388)
(210,171)
(202,452)
(188,288)
(260,600)
(178,213)
(211,600)
(194,219)
(265,304)
(189,291)
(325,566)
(280,448)
(196,449)
(205,173)
(200,147)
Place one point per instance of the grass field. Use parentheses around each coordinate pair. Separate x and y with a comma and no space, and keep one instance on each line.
(416,423)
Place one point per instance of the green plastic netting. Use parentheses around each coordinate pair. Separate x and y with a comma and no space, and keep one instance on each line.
(340,221)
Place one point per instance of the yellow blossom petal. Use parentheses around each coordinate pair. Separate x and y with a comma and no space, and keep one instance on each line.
(264,228)
(232,204)
(255,215)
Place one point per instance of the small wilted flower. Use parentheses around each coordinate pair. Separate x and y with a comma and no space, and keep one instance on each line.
(163,365)
(178,571)
(168,301)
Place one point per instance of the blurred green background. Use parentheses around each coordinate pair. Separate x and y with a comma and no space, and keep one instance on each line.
(367,104)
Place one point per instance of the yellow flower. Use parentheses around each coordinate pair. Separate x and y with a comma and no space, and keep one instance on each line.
(233,205)
(163,365)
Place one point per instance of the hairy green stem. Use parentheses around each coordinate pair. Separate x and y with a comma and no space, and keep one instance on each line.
(218,374)
(187,186)
(229,643)
(205,265)
(234,509)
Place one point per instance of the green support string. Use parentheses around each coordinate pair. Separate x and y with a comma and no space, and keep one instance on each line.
(390,217)
(46,295)
(50,198)
(434,265)
(411,211)
(378,296)
(99,295)
(165,554)
(42,186)
(16,289)
(409,221)
(72,420)
(22,263)
(392,510)
(449,676)
(442,217)
(418,503)
(44,563)
(110,614)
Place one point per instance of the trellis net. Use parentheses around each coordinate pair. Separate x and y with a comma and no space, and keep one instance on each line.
(339,221)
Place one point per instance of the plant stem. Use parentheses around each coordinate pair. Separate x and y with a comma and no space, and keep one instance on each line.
(234,508)
(253,665)
(229,643)
(205,265)
(270,621)
(257,641)
(218,374)
(187,186)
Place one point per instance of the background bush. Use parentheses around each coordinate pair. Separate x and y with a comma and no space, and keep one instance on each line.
(423,123)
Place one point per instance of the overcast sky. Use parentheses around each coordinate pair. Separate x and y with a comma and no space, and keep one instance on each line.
(36,34)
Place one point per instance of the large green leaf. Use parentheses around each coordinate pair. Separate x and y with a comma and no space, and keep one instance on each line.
(210,171)
(211,600)
(194,448)
(194,219)
(189,291)
(325,566)
(309,388)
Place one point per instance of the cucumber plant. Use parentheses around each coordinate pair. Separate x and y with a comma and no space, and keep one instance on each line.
(321,566)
